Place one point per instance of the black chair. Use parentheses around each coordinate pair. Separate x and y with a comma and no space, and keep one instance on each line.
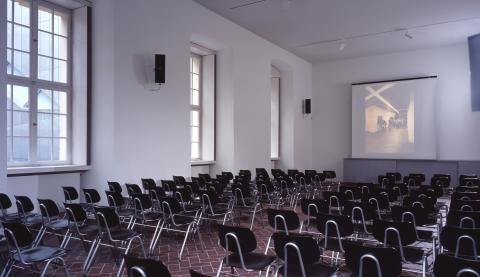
(301,255)
(23,250)
(70,193)
(361,214)
(244,202)
(52,220)
(335,229)
(372,260)
(25,210)
(463,242)
(175,219)
(110,230)
(239,244)
(114,186)
(311,208)
(448,266)
(116,200)
(5,204)
(330,174)
(92,197)
(213,210)
(145,214)
(194,273)
(420,218)
(79,225)
(281,221)
(400,235)
(465,205)
(138,267)
(463,219)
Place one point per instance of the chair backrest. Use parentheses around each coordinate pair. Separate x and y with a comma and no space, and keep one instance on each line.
(168,185)
(70,193)
(465,205)
(426,202)
(380,198)
(114,186)
(314,206)
(408,234)
(396,176)
(467,195)
(388,257)
(5,202)
(138,267)
(205,177)
(173,204)
(48,208)
(330,174)
(400,213)
(142,201)
(246,238)
(449,266)
(451,236)
(75,212)
(110,216)
(343,222)
(133,189)
(24,204)
(463,219)
(306,243)
(18,233)
(115,199)
(368,209)
(291,222)
(148,184)
(91,196)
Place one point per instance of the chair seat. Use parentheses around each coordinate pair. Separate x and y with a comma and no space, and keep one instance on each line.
(182,220)
(40,254)
(254,261)
(413,254)
(122,234)
(425,235)
(332,244)
(358,227)
(150,216)
(218,211)
(314,270)
(88,229)
(125,212)
(59,224)
(33,219)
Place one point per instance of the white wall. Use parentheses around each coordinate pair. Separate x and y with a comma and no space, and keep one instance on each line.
(138,133)
(457,127)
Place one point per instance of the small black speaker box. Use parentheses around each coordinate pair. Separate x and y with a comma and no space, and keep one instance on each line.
(159,69)
(307,106)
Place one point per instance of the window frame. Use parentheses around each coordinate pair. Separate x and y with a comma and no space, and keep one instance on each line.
(198,107)
(34,84)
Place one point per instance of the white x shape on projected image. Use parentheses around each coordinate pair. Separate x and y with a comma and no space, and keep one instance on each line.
(376,93)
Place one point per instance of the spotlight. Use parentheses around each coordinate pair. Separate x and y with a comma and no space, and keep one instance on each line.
(343,44)
(408,35)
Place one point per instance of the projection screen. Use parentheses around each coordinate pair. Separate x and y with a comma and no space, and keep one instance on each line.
(394,119)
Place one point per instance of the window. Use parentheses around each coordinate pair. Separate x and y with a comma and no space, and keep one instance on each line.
(202,103)
(38,83)
(275,114)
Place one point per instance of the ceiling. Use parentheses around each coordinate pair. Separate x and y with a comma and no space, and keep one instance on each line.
(355,28)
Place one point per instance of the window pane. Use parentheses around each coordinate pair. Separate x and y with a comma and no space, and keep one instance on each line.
(20,123)
(44,149)
(59,71)
(9,149)
(9,123)
(60,23)
(21,12)
(196,65)
(60,102)
(195,134)
(21,38)
(20,98)
(194,118)
(9,96)
(59,149)
(45,19)
(60,47)
(44,100)
(20,149)
(21,64)
(9,10)
(195,97)
(60,126)
(195,150)
(9,35)
(9,61)
(44,127)
(195,82)
(44,68)
(44,44)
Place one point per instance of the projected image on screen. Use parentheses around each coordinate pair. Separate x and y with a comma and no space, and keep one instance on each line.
(389,119)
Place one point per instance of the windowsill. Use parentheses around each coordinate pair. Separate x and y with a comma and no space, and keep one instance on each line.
(50,169)
(200,162)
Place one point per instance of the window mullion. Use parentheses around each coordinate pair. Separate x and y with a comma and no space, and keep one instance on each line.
(33,78)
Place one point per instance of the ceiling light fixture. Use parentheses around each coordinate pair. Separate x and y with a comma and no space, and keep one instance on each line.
(247,4)
(343,44)
(408,35)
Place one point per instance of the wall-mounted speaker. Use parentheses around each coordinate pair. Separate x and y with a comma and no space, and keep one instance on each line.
(307,106)
(159,69)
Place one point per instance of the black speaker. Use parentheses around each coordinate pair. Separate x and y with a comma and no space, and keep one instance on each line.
(159,69)
(307,106)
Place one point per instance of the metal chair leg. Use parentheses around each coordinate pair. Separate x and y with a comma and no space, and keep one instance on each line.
(152,247)
(220,268)
(8,268)
(91,255)
(185,241)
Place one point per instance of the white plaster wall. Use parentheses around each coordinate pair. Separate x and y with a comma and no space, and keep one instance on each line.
(457,127)
(138,133)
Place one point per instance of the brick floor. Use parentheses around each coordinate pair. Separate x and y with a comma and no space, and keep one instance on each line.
(205,260)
